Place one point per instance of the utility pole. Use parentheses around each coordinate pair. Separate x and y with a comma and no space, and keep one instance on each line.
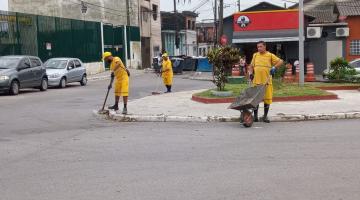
(177,40)
(301,42)
(215,23)
(221,20)
(127,13)
(239,5)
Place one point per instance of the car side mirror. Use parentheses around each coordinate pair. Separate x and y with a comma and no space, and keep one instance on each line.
(22,67)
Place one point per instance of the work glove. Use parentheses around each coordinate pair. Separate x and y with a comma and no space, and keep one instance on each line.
(273,71)
(251,76)
(112,75)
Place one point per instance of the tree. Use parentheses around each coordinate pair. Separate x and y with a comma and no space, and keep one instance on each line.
(222,59)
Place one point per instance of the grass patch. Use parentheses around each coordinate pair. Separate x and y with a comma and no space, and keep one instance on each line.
(280,90)
(324,84)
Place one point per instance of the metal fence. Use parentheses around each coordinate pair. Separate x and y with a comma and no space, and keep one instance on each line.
(47,37)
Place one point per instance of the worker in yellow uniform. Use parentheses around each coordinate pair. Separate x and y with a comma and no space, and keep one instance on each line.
(167,72)
(121,75)
(263,66)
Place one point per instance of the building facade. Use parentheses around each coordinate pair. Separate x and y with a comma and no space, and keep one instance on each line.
(149,20)
(349,12)
(106,11)
(205,38)
(178,33)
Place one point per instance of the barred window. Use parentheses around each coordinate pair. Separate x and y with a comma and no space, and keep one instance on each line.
(355,47)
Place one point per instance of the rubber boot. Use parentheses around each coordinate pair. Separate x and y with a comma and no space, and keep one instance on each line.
(169,90)
(116,105)
(168,87)
(266,111)
(124,112)
(256,118)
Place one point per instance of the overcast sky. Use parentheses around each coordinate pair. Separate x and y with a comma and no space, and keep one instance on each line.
(3,4)
(206,11)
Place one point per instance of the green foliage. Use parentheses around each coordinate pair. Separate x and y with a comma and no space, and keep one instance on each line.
(280,72)
(222,59)
(340,69)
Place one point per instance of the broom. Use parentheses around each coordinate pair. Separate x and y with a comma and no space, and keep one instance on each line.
(103,111)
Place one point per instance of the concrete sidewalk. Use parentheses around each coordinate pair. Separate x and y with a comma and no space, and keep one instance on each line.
(180,108)
(106,75)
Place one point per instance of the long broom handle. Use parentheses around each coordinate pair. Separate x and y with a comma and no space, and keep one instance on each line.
(107,93)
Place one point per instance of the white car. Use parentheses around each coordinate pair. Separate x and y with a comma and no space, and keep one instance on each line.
(61,71)
(355,64)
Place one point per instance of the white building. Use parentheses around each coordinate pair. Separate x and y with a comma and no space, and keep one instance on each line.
(150,28)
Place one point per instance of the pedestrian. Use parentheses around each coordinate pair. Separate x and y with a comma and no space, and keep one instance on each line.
(167,72)
(242,65)
(263,66)
(121,75)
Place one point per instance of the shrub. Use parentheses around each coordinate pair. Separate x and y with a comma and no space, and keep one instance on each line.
(340,69)
(222,59)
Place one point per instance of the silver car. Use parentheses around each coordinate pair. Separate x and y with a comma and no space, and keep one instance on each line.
(61,71)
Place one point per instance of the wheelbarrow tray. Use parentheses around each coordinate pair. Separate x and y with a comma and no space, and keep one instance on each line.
(249,98)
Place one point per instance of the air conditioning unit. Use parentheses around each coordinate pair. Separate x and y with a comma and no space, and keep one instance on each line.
(314,32)
(342,32)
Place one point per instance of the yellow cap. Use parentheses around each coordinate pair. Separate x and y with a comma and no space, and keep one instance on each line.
(106,54)
(165,55)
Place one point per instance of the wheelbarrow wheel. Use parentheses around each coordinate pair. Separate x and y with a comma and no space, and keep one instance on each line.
(247,119)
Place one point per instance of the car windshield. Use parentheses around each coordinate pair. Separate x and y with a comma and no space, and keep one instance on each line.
(355,64)
(8,62)
(56,64)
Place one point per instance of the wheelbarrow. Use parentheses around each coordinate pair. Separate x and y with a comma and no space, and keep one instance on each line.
(248,100)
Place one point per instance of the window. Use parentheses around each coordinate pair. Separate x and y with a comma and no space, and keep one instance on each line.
(25,63)
(35,62)
(71,65)
(77,63)
(155,11)
(355,47)
(193,25)
(189,24)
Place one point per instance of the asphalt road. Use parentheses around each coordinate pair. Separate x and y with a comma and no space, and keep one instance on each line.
(277,161)
(71,108)
(51,147)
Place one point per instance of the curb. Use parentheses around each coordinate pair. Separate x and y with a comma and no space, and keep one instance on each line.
(277,118)
(275,99)
(350,87)
(98,78)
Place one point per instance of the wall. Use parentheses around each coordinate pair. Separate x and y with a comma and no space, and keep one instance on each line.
(72,9)
(316,49)
(191,43)
(354,25)
(151,27)
(94,68)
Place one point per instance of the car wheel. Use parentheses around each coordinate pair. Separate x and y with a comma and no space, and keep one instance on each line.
(62,82)
(83,81)
(44,84)
(14,88)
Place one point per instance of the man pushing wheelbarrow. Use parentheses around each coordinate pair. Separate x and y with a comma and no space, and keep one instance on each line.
(263,66)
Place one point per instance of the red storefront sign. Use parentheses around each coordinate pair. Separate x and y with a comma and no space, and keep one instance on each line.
(266,20)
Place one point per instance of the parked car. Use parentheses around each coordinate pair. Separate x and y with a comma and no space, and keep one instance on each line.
(18,72)
(355,64)
(62,71)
